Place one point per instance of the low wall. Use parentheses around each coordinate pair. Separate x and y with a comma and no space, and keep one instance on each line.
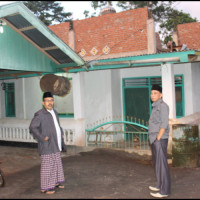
(18,131)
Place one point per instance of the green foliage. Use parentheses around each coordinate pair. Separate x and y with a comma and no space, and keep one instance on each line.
(87,15)
(175,17)
(100,4)
(48,12)
(158,9)
(96,5)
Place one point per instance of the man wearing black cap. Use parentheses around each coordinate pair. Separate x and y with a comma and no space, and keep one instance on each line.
(45,128)
(158,137)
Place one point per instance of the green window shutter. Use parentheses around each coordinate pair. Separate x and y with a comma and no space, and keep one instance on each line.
(10,99)
(179,92)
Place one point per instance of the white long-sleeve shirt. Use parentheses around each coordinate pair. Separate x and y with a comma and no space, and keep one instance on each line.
(58,131)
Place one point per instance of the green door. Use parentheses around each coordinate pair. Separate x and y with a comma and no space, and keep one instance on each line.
(137,104)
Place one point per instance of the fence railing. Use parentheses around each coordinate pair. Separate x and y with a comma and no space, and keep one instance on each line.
(118,139)
(19,134)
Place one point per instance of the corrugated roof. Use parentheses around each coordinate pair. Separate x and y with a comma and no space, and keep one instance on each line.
(23,21)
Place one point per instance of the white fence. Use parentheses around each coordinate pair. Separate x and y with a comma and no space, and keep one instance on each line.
(19,134)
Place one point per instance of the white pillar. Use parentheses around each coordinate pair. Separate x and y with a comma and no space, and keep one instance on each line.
(151,36)
(78,95)
(168,88)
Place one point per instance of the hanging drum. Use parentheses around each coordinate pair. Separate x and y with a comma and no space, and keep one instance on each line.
(57,85)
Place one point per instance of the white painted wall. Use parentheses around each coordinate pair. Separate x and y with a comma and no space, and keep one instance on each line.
(103,90)
(196,86)
(28,98)
(97,95)
(33,96)
(168,87)
(64,104)
(79,95)
(116,94)
(185,69)
(141,72)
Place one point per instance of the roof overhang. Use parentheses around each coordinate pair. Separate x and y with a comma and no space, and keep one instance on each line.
(142,61)
(24,22)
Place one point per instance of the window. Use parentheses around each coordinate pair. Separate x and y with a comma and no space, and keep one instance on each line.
(10,99)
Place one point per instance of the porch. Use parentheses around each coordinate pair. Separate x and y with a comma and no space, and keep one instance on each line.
(18,131)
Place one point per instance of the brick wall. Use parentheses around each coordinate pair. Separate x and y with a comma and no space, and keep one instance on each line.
(189,34)
(119,31)
(62,31)
(122,32)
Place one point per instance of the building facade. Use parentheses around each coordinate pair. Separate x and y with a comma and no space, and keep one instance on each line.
(122,63)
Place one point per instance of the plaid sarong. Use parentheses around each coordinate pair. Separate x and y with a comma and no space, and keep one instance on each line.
(51,172)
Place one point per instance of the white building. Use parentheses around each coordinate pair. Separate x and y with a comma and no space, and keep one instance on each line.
(108,90)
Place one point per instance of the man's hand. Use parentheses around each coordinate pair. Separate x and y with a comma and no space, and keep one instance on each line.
(158,138)
(46,138)
(160,134)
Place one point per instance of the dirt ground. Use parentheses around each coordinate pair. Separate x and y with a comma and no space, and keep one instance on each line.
(97,174)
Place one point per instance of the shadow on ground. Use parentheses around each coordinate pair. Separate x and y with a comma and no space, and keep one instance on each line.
(103,174)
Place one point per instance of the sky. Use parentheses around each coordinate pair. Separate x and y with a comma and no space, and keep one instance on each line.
(78,7)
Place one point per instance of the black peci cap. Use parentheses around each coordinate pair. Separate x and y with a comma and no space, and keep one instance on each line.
(156,87)
(47,94)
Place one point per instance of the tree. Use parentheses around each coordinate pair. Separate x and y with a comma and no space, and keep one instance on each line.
(157,9)
(100,4)
(169,26)
(86,13)
(96,5)
(48,12)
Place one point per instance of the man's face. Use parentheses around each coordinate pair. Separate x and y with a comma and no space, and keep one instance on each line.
(155,95)
(48,103)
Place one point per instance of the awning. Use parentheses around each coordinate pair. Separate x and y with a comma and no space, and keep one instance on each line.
(23,33)
(141,61)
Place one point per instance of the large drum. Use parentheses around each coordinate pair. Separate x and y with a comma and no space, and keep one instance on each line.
(57,85)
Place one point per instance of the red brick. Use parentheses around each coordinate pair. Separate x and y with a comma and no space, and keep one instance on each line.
(120,31)
(189,34)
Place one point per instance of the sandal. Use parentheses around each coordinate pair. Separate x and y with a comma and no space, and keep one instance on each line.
(60,186)
(48,191)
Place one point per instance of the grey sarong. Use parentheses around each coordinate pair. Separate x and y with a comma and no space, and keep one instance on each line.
(159,154)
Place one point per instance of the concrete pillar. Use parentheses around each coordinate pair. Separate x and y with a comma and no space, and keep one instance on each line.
(78,95)
(175,38)
(71,37)
(151,36)
(169,88)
